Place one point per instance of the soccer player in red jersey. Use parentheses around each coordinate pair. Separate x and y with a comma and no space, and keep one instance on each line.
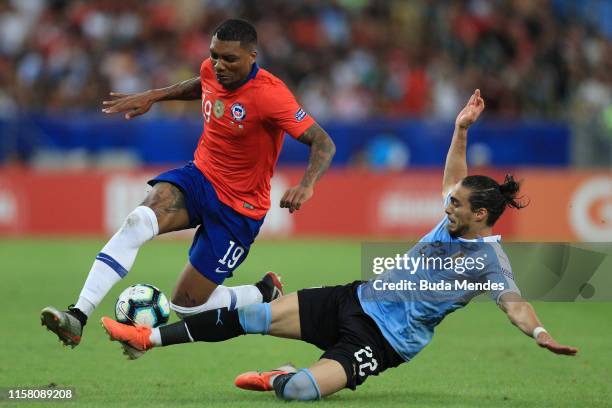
(224,191)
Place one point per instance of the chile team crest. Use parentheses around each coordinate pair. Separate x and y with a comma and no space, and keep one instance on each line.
(238,112)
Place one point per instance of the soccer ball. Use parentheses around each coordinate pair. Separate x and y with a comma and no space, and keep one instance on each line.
(142,304)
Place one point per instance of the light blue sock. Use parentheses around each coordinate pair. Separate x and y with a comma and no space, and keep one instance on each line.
(300,386)
(255,318)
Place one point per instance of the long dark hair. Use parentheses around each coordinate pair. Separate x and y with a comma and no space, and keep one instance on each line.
(487,193)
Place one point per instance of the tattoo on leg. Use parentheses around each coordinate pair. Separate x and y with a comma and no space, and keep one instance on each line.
(178,200)
(165,199)
(169,205)
(184,299)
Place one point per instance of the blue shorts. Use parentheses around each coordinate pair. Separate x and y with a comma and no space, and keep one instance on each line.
(224,236)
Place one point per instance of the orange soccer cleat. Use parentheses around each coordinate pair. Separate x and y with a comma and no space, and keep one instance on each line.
(258,381)
(137,337)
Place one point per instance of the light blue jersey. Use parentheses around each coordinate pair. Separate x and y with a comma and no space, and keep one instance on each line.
(408,303)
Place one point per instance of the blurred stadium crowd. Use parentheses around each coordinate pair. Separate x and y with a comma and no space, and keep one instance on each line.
(346,59)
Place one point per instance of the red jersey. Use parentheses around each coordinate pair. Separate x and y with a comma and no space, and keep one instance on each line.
(243,136)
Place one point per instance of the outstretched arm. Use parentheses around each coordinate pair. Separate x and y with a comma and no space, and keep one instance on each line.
(322,150)
(523,316)
(139,103)
(456,165)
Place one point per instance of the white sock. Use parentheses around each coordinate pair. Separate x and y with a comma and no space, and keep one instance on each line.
(246,295)
(117,257)
(223,296)
(155,337)
(85,305)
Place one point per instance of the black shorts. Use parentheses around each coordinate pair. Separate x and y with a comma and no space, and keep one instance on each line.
(332,319)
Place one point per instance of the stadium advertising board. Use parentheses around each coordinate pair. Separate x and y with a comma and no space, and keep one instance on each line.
(564,205)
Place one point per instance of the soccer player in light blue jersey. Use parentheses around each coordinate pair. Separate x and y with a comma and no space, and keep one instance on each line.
(367,327)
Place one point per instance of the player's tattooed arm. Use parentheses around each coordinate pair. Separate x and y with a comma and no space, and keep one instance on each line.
(455,168)
(322,150)
(137,104)
(187,90)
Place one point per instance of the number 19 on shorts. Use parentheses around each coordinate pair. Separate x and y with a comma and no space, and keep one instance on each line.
(232,255)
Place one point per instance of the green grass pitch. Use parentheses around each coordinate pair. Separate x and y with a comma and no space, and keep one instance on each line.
(477,358)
